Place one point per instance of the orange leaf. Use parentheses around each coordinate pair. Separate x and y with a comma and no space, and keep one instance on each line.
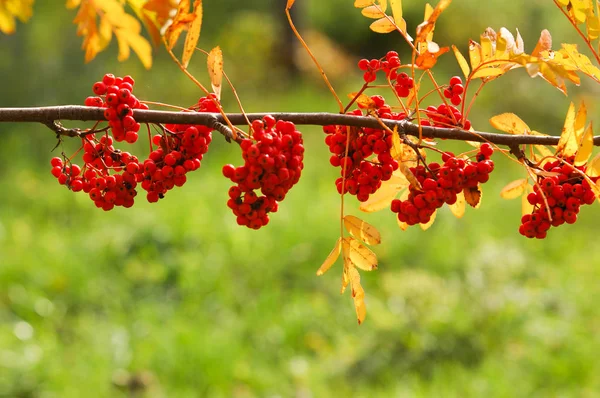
(215,70)
(331,258)
(363,100)
(425,28)
(514,189)
(362,230)
(427,60)
(473,196)
(180,23)
(544,43)
(191,39)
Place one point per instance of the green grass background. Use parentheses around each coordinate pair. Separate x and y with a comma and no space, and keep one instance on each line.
(175,300)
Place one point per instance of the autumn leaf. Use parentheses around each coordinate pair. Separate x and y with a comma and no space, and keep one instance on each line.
(387,192)
(427,27)
(473,196)
(509,123)
(180,23)
(429,223)
(593,168)
(586,145)
(573,130)
(458,207)
(363,100)
(427,60)
(191,39)
(331,258)
(112,19)
(362,230)
(526,207)
(383,25)
(462,62)
(358,295)
(215,70)
(514,189)
(11,9)
(154,14)
(360,255)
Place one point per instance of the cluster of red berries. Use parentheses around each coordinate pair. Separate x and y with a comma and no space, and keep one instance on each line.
(363,177)
(403,85)
(388,65)
(106,190)
(455,90)
(445,116)
(110,176)
(557,199)
(441,183)
(273,163)
(115,94)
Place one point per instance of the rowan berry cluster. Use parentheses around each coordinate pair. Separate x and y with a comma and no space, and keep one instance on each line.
(273,158)
(445,116)
(440,183)
(115,94)
(110,176)
(455,90)
(557,199)
(363,176)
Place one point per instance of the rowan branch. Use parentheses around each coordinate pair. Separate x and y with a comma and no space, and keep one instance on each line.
(51,115)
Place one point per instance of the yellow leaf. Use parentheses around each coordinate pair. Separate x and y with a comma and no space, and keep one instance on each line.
(426,28)
(362,230)
(363,3)
(396,6)
(331,258)
(373,12)
(383,197)
(514,189)
(360,255)
(473,196)
(358,295)
(191,39)
(428,224)
(462,62)
(509,123)
(474,54)
(593,168)
(487,72)
(363,100)
(396,149)
(11,9)
(567,143)
(404,169)
(215,70)
(154,14)
(458,207)
(487,50)
(383,25)
(586,145)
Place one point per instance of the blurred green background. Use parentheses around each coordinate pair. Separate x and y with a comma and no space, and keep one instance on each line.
(175,300)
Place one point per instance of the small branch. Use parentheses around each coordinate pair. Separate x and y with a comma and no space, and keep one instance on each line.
(48,116)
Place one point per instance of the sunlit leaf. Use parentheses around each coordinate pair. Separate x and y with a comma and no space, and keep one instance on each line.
(191,39)
(487,72)
(568,132)
(473,196)
(396,6)
(383,25)
(509,123)
(363,100)
(514,189)
(458,208)
(428,59)
(586,145)
(363,3)
(462,62)
(373,12)
(424,29)
(331,258)
(11,9)
(154,14)
(360,255)
(362,230)
(526,207)
(180,23)
(544,43)
(474,54)
(215,70)
(593,168)
(358,295)
(383,197)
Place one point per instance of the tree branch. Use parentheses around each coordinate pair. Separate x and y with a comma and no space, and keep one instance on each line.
(50,115)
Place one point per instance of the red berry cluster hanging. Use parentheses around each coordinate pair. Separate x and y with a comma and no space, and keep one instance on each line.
(388,65)
(441,183)
(445,116)
(403,85)
(273,163)
(363,176)
(115,94)
(455,90)
(110,176)
(557,199)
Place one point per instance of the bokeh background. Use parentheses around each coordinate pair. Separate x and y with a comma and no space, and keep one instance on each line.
(175,300)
